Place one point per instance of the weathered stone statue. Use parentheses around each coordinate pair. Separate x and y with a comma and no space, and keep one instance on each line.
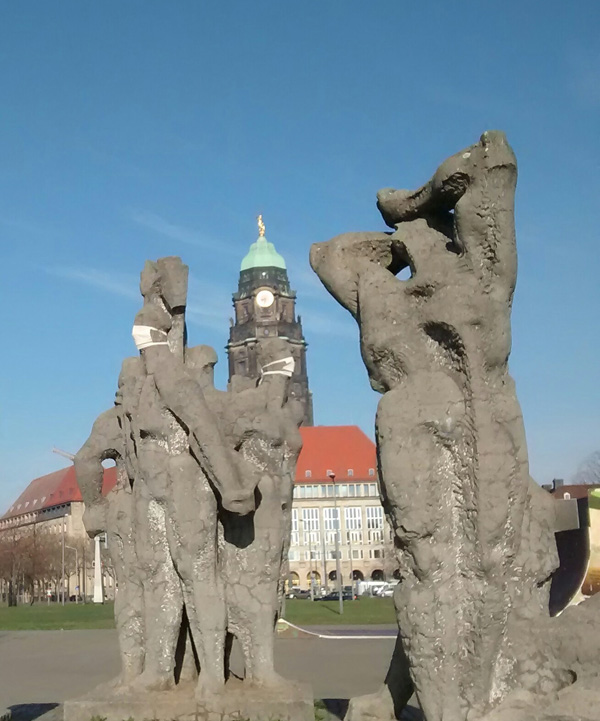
(198,522)
(473,532)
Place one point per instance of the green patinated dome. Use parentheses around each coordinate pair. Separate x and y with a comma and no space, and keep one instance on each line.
(262,254)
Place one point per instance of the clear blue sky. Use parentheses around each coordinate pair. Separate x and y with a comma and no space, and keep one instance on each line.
(133,130)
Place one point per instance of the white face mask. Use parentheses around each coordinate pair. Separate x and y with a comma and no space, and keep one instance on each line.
(283,367)
(142,336)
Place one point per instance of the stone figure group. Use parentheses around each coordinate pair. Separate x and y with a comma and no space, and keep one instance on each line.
(199,521)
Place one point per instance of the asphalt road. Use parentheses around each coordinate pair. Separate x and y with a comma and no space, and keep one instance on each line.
(39,669)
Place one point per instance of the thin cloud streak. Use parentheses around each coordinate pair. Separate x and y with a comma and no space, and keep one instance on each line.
(125,286)
(178,233)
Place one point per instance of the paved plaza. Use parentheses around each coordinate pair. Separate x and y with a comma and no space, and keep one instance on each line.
(43,668)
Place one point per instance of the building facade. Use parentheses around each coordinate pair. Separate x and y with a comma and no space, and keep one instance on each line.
(337,511)
(265,306)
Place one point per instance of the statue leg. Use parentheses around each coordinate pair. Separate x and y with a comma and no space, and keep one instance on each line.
(129,605)
(262,604)
(192,531)
(387,703)
(162,594)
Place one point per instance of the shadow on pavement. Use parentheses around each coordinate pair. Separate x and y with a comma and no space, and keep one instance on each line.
(31,711)
(335,708)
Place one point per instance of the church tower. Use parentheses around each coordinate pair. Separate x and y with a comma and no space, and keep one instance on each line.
(266,306)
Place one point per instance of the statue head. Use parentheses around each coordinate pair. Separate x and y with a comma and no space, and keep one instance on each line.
(201,359)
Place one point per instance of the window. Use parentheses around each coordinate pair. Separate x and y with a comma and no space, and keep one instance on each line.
(344,490)
(293,554)
(295,540)
(312,555)
(353,521)
(330,491)
(331,555)
(351,490)
(331,518)
(373,489)
(310,523)
(371,471)
(566,497)
(307,474)
(357,554)
(350,472)
(376,553)
(365,489)
(375,524)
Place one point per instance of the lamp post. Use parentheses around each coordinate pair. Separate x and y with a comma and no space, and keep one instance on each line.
(337,544)
(62,580)
(72,548)
(310,560)
(350,557)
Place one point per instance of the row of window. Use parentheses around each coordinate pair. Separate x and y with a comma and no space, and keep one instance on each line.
(329,473)
(331,518)
(295,554)
(340,490)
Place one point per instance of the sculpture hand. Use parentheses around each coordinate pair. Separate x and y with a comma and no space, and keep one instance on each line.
(94,518)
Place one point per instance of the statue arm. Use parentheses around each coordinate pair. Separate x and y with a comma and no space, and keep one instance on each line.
(105,441)
(340,261)
(183,396)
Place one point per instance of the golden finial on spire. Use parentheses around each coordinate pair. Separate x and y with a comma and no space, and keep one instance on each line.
(261,227)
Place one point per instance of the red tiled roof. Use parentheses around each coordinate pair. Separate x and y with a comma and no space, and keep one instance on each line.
(326,448)
(336,448)
(574,491)
(54,489)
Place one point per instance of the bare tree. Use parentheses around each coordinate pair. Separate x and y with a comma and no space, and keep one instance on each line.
(588,472)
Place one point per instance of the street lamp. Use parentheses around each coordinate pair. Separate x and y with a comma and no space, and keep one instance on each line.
(62,594)
(338,574)
(72,548)
(310,561)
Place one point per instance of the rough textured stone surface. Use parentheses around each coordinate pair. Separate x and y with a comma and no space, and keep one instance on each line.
(473,532)
(199,521)
(240,702)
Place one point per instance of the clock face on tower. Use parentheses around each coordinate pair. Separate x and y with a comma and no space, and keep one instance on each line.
(264,298)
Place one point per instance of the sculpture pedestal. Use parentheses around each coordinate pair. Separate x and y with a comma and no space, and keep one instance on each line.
(241,701)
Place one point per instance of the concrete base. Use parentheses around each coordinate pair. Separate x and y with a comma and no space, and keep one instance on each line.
(241,701)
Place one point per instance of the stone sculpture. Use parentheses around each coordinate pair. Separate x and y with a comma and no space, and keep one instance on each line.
(473,532)
(197,524)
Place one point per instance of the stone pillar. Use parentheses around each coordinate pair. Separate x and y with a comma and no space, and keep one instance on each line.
(98,591)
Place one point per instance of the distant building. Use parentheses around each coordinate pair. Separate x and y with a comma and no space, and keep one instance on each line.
(578,543)
(338,462)
(50,509)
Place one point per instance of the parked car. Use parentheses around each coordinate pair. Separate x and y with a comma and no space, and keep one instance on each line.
(334,596)
(297,593)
